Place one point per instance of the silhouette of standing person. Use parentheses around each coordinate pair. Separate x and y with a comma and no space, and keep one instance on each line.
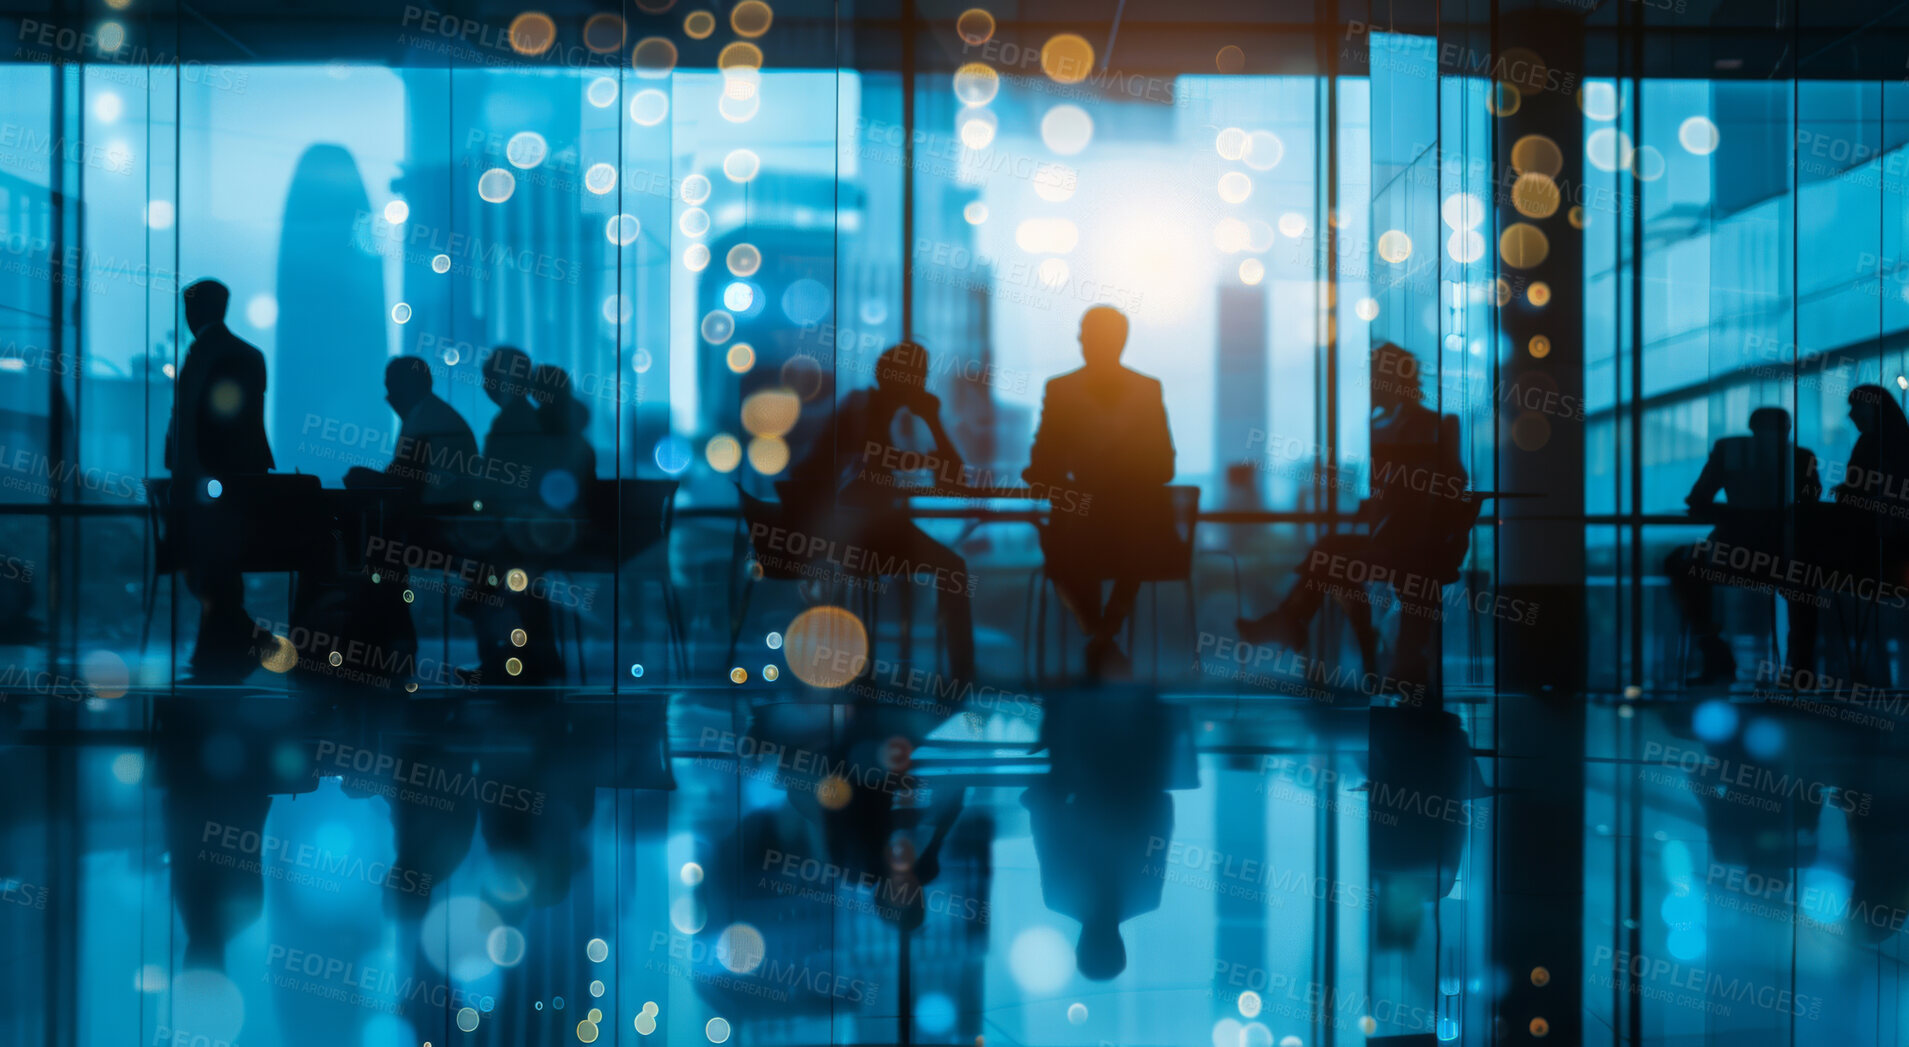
(1414,517)
(435,453)
(1103,446)
(217,435)
(845,484)
(1762,478)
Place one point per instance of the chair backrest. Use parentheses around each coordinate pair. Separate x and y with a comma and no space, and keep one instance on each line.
(763,519)
(159,521)
(1166,553)
(639,510)
(1455,538)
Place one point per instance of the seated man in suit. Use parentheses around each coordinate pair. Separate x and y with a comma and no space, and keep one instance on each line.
(1103,436)
(1762,478)
(436,453)
(217,435)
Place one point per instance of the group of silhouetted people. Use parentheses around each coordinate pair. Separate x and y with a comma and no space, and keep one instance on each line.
(1103,448)
(1103,458)
(535,461)
(1772,533)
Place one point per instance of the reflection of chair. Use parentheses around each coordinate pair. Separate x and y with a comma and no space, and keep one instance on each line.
(1167,559)
(760,521)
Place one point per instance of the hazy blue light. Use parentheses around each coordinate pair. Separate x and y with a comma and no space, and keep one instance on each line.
(1715,720)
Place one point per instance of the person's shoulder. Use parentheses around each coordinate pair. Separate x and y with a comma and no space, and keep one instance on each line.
(1068,380)
(437,413)
(228,340)
(1144,381)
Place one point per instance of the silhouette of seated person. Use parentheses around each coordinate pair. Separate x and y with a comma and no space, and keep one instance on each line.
(1101,815)
(216,438)
(513,439)
(1104,440)
(512,444)
(435,454)
(563,464)
(1866,532)
(1762,478)
(1415,524)
(561,467)
(844,487)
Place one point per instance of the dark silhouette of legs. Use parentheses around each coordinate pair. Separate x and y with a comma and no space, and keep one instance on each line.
(954,605)
(1691,590)
(1286,625)
(222,652)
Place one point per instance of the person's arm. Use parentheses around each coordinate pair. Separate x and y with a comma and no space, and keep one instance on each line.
(408,461)
(1451,453)
(1809,485)
(950,470)
(1158,466)
(1709,482)
(1041,467)
(254,386)
(1861,461)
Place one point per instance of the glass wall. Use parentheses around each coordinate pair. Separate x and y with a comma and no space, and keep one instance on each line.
(713,226)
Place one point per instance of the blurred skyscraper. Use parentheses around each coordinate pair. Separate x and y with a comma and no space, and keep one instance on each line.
(331,317)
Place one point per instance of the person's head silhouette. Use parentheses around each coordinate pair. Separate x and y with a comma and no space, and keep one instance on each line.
(1103,334)
(902,369)
(1395,377)
(1770,423)
(1100,955)
(407,381)
(506,374)
(1872,409)
(205,304)
(557,408)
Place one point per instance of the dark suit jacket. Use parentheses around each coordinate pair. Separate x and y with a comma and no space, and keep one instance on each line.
(221,398)
(1750,474)
(1104,444)
(1762,482)
(1103,433)
(436,457)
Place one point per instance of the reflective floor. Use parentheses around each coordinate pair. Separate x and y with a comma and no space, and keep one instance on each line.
(1117,866)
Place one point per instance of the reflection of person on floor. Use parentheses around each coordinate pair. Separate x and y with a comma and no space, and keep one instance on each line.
(1100,817)
(1762,478)
(1415,526)
(1103,446)
(1414,848)
(845,486)
(217,436)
